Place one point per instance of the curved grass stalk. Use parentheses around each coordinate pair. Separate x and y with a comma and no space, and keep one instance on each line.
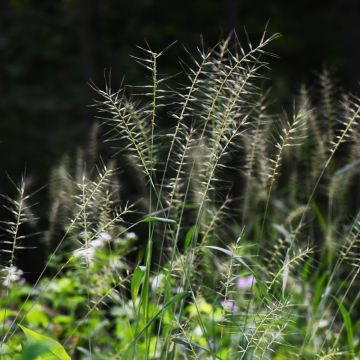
(20,210)
(353,109)
(288,136)
(103,176)
(238,61)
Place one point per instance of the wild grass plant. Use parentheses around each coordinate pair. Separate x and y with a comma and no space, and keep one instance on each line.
(252,224)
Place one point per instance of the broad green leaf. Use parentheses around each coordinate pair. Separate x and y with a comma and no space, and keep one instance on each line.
(136,282)
(37,315)
(55,350)
(34,351)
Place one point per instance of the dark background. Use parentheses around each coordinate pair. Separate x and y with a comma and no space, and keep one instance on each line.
(49,50)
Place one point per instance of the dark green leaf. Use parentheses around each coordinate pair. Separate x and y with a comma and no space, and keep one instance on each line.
(136,282)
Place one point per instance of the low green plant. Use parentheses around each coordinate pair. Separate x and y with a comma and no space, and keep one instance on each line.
(251,247)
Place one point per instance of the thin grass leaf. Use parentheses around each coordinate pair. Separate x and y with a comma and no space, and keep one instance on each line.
(136,281)
(348,324)
(152,219)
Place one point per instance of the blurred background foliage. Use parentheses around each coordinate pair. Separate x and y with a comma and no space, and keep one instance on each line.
(50,50)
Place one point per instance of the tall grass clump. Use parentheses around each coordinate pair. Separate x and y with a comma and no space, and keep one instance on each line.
(242,244)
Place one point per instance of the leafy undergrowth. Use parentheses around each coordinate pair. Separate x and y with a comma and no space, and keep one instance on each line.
(252,224)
